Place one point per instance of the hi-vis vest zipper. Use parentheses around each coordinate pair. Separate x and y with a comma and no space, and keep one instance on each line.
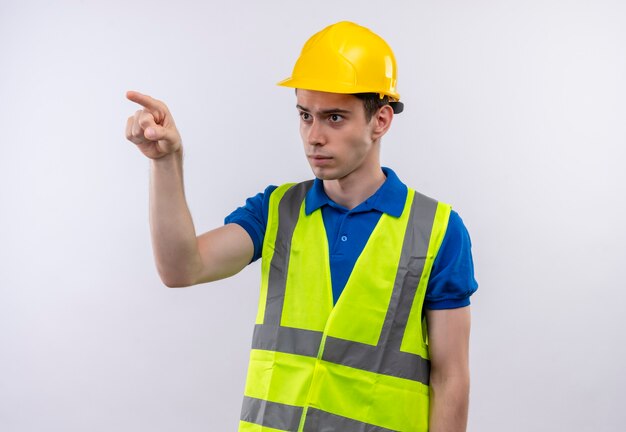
(362,365)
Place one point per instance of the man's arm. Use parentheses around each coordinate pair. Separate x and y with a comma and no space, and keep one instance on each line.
(448,336)
(182,259)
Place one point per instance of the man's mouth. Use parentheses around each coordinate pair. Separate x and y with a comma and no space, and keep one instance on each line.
(319,160)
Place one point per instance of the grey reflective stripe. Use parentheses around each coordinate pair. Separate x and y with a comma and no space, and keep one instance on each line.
(287,340)
(374,359)
(271,414)
(322,421)
(271,335)
(386,358)
(288,213)
(412,260)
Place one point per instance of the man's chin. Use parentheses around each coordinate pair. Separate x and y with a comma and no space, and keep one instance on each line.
(324,174)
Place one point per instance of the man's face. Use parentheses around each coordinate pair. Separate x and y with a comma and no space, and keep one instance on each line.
(338,141)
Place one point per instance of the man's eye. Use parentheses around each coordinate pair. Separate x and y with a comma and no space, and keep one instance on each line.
(305,116)
(335,118)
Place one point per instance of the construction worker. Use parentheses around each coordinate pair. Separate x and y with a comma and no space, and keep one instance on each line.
(363,320)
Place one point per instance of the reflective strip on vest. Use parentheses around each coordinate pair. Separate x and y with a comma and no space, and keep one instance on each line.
(317,421)
(386,357)
(287,418)
(271,414)
(286,340)
(288,213)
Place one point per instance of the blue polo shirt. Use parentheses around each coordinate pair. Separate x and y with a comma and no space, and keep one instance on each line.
(452,277)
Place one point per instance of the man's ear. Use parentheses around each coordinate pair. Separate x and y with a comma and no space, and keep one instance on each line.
(382,121)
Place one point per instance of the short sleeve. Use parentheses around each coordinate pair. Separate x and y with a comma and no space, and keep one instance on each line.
(452,279)
(252,217)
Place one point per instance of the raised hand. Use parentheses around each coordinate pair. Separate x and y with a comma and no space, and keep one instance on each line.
(152,128)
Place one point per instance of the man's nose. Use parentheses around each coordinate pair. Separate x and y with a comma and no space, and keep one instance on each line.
(315,133)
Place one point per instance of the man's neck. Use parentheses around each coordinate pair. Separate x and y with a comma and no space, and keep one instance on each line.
(355,188)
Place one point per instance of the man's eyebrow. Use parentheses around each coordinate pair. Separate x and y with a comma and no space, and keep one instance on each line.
(326,111)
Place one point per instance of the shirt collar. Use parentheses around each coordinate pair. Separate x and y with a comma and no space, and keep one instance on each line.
(389,198)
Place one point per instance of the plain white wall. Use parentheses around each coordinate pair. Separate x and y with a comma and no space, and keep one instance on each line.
(514,114)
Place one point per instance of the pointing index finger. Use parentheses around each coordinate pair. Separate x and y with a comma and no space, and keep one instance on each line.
(146,101)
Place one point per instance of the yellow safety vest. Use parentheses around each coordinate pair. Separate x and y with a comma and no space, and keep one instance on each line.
(362,365)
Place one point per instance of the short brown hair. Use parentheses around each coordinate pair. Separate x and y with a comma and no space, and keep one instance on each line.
(372,102)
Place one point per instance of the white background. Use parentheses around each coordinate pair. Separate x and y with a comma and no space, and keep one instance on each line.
(514,114)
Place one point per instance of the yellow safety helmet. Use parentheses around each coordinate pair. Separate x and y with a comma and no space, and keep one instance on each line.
(347,58)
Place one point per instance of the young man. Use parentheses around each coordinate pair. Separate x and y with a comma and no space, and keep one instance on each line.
(363,321)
